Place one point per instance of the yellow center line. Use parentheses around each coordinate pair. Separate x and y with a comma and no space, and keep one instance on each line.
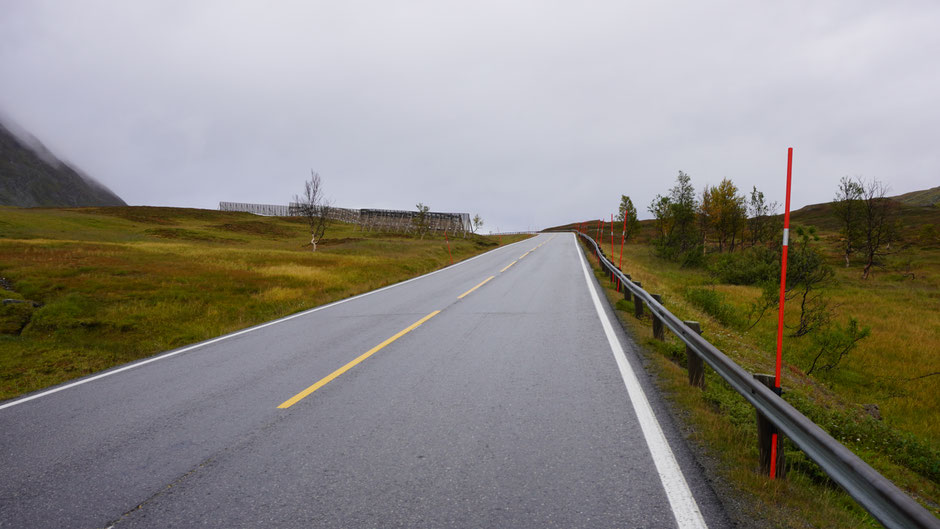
(474,288)
(326,380)
(329,378)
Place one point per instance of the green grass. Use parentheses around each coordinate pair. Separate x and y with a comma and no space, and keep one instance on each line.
(903,446)
(119,284)
(715,304)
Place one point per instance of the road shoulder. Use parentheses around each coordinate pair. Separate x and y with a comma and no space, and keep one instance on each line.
(721,504)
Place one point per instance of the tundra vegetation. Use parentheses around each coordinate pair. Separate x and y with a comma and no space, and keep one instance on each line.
(104,286)
(862,331)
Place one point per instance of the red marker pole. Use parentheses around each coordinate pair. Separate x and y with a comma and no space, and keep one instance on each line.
(623,237)
(783,295)
(612,275)
(611,235)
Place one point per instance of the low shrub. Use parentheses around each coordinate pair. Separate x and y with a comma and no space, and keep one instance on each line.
(753,266)
(715,304)
(694,258)
(862,432)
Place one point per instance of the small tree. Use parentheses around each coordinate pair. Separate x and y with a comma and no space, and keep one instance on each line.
(684,204)
(706,215)
(761,223)
(627,208)
(477,222)
(847,207)
(675,217)
(807,275)
(421,220)
(723,211)
(315,208)
(879,224)
(660,208)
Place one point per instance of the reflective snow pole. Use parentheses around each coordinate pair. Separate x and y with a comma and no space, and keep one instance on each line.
(783,295)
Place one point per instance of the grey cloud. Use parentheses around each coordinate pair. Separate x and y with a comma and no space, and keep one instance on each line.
(530,113)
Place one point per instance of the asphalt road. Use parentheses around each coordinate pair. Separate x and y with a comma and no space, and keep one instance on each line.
(515,405)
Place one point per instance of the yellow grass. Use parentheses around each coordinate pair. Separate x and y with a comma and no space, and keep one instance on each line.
(311,273)
(280,294)
(117,284)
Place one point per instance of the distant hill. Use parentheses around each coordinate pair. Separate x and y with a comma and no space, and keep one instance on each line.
(925,197)
(30,175)
(915,210)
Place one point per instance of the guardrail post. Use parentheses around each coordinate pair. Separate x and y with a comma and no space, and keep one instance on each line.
(765,432)
(638,303)
(626,291)
(694,361)
(658,332)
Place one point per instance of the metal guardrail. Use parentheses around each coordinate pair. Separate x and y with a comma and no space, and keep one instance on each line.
(884,500)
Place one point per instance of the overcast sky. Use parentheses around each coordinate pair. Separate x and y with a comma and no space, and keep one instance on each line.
(531,114)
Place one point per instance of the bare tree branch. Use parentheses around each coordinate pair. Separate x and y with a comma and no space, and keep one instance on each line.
(315,208)
(879,224)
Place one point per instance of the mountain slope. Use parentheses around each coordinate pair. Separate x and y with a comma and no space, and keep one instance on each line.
(30,176)
(924,197)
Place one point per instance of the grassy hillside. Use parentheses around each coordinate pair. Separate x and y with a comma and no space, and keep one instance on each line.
(117,284)
(924,197)
(882,400)
(30,175)
(902,444)
(913,218)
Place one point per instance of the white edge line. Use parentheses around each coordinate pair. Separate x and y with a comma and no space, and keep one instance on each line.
(238,333)
(683,504)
